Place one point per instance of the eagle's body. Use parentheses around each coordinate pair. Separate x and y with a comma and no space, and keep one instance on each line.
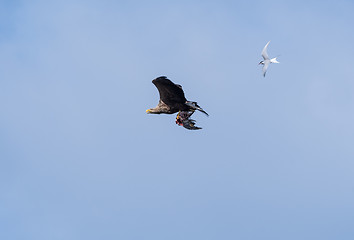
(172,100)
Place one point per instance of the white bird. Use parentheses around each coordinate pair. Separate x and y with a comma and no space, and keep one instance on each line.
(266,60)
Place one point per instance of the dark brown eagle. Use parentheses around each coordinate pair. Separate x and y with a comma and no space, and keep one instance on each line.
(172,100)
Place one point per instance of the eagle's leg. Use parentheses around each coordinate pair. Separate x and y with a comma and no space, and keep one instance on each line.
(178,118)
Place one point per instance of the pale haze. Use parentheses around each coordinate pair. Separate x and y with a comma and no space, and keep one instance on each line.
(81,159)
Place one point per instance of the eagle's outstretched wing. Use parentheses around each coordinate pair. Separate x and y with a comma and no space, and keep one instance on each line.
(170,93)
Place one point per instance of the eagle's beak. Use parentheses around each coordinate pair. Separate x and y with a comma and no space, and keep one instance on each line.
(148,110)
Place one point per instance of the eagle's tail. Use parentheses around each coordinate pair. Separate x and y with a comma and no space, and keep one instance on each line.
(195,106)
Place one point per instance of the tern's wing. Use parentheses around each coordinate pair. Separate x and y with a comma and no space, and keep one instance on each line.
(265,67)
(264,52)
(183,119)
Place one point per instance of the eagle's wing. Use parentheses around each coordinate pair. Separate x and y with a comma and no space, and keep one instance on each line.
(170,93)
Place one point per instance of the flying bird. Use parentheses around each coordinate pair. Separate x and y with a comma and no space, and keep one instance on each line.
(266,60)
(172,100)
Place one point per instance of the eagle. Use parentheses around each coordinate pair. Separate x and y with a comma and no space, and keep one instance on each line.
(172,100)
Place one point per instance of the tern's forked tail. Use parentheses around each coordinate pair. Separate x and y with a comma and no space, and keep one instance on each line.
(274,60)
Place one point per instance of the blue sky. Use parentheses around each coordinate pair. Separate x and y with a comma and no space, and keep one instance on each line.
(80,158)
